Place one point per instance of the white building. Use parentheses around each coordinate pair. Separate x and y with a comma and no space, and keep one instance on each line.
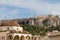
(10,30)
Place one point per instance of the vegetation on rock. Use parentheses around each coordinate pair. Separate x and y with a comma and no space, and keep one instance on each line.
(38,30)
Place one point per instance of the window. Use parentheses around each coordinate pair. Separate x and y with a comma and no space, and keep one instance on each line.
(17,28)
(3,38)
(8,28)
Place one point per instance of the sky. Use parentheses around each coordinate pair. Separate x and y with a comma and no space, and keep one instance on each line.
(11,9)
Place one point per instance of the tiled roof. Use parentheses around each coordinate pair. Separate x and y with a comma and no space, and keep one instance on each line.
(9,23)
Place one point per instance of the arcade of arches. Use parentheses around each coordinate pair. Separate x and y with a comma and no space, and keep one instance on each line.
(17,37)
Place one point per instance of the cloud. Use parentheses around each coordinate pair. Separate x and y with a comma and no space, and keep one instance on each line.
(14,12)
(31,7)
(8,11)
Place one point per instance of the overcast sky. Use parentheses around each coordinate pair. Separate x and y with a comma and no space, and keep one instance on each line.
(28,8)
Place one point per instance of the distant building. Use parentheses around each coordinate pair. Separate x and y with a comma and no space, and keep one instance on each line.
(53,35)
(49,20)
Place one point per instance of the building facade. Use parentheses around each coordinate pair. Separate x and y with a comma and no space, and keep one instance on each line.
(10,30)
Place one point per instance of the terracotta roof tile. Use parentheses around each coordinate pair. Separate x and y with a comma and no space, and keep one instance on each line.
(9,23)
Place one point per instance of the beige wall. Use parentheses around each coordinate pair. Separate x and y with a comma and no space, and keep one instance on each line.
(11,28)
(3,35)
(54,38)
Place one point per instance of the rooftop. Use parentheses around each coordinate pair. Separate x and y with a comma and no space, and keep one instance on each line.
(9,23)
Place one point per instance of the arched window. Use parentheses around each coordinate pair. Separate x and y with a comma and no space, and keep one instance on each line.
(34,38)
(10,37)
(27,37)
(16,37)
(22,38)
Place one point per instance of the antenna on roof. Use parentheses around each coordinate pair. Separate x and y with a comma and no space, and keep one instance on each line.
(5,18)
